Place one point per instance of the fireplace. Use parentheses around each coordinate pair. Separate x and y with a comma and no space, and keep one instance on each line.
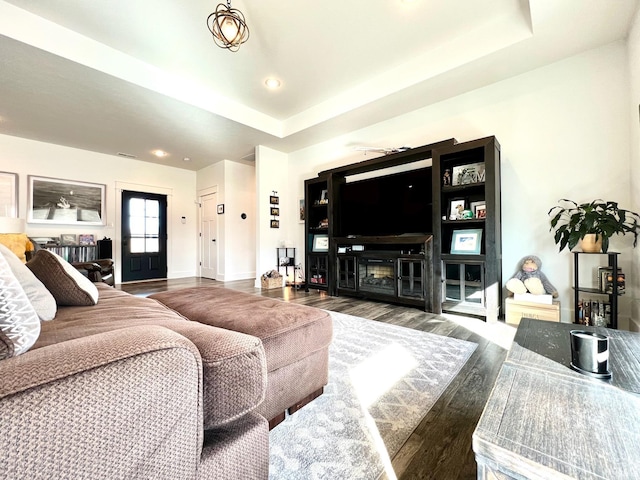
(376,275)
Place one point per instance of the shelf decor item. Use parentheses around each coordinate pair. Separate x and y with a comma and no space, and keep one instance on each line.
(86,239)
(320,243)
(68,239)
(469,174)
(466,242)
(603,219)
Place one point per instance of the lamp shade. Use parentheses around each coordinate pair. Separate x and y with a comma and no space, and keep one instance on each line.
(12,225)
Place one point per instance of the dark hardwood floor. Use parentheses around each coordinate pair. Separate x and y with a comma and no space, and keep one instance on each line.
(440,447)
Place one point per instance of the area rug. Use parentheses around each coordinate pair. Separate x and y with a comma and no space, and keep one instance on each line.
(383,379)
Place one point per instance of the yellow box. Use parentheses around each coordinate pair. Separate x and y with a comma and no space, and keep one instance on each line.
(517,309)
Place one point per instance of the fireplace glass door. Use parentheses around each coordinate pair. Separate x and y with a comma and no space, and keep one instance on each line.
(376,275)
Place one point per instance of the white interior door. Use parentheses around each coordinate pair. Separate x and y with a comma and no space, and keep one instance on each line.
(208,236)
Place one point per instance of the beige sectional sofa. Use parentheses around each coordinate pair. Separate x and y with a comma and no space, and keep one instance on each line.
(123,387)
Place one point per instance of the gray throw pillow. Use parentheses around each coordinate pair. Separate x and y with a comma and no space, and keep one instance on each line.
(67,285)
(19,321)
(40,298)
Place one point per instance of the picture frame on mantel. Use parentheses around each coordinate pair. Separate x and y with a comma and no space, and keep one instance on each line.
(65,202)
(8,194)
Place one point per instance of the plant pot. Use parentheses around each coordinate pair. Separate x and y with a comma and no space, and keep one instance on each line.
(589,243)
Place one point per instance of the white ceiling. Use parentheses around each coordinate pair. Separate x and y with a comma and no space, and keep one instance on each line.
(134,76)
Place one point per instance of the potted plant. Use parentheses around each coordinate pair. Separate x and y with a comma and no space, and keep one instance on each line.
(573,222)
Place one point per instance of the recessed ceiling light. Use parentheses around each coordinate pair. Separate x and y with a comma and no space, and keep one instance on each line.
(160,153)
(186,159)
(272,83)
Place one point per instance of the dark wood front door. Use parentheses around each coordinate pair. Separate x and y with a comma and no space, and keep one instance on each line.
(144,236)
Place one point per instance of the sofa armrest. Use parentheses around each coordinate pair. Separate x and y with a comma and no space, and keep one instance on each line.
(121,404)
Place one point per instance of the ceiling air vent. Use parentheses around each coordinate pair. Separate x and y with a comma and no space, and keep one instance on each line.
(126,155)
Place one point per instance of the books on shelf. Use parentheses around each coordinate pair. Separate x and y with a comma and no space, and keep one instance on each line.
(85,253)
(594,312)
(605,280)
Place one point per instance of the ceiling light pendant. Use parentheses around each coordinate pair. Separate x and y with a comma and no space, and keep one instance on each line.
(228,27)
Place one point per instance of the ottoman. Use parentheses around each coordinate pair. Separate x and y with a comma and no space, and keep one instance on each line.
(296,340)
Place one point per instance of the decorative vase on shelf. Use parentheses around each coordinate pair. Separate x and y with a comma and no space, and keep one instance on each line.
(589,243)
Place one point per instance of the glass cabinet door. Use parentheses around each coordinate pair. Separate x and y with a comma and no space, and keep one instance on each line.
(463,282)
(347,272)
(411,278)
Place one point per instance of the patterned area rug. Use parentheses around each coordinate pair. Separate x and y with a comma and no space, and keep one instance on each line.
(383,379)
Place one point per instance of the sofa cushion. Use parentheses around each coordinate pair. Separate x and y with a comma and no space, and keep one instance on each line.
(18,243)
(234,367)
(289,332)
(67,285)
(40,298)
(19,321)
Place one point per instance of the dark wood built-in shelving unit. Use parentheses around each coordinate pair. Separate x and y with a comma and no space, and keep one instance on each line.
(416,263)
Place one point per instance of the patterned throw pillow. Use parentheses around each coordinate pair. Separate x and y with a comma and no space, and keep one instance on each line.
(40,298)
(19,322)
(67,285)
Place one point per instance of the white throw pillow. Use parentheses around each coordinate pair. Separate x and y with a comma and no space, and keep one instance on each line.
(67,285)
(19,321)
(41,298)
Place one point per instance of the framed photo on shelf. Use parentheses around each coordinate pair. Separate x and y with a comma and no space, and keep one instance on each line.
(480,211)
(86,239)
(455,208)
(52,200)
(320,243)
(68,239)
(466,242)
(8,194)
(468,174)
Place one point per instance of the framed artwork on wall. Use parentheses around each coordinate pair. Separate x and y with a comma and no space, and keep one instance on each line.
(8,194)
(56,201)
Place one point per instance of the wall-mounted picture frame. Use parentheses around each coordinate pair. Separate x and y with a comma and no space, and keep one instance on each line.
(275,211)
(468,174)
(275,223)
(68,239)
(301,210)
(8,194)
(220,208)
(86,239)
(65,202)
(320,243)
(274,200)
(456,207)
(466,242)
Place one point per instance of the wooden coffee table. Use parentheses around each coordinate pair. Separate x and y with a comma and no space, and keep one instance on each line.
(544,420)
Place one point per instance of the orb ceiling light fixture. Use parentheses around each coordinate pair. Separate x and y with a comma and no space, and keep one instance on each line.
(228,27)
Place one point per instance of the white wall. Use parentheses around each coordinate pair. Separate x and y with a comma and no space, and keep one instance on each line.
(272,175)
(235,186)
(27,157)
(634,164)
(564,133)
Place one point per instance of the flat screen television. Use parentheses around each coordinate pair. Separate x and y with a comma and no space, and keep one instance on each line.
(394,204)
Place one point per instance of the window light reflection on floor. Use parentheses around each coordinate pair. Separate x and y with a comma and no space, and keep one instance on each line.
(377,374)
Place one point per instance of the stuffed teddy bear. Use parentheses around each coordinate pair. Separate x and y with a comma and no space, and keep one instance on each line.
(530,279)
